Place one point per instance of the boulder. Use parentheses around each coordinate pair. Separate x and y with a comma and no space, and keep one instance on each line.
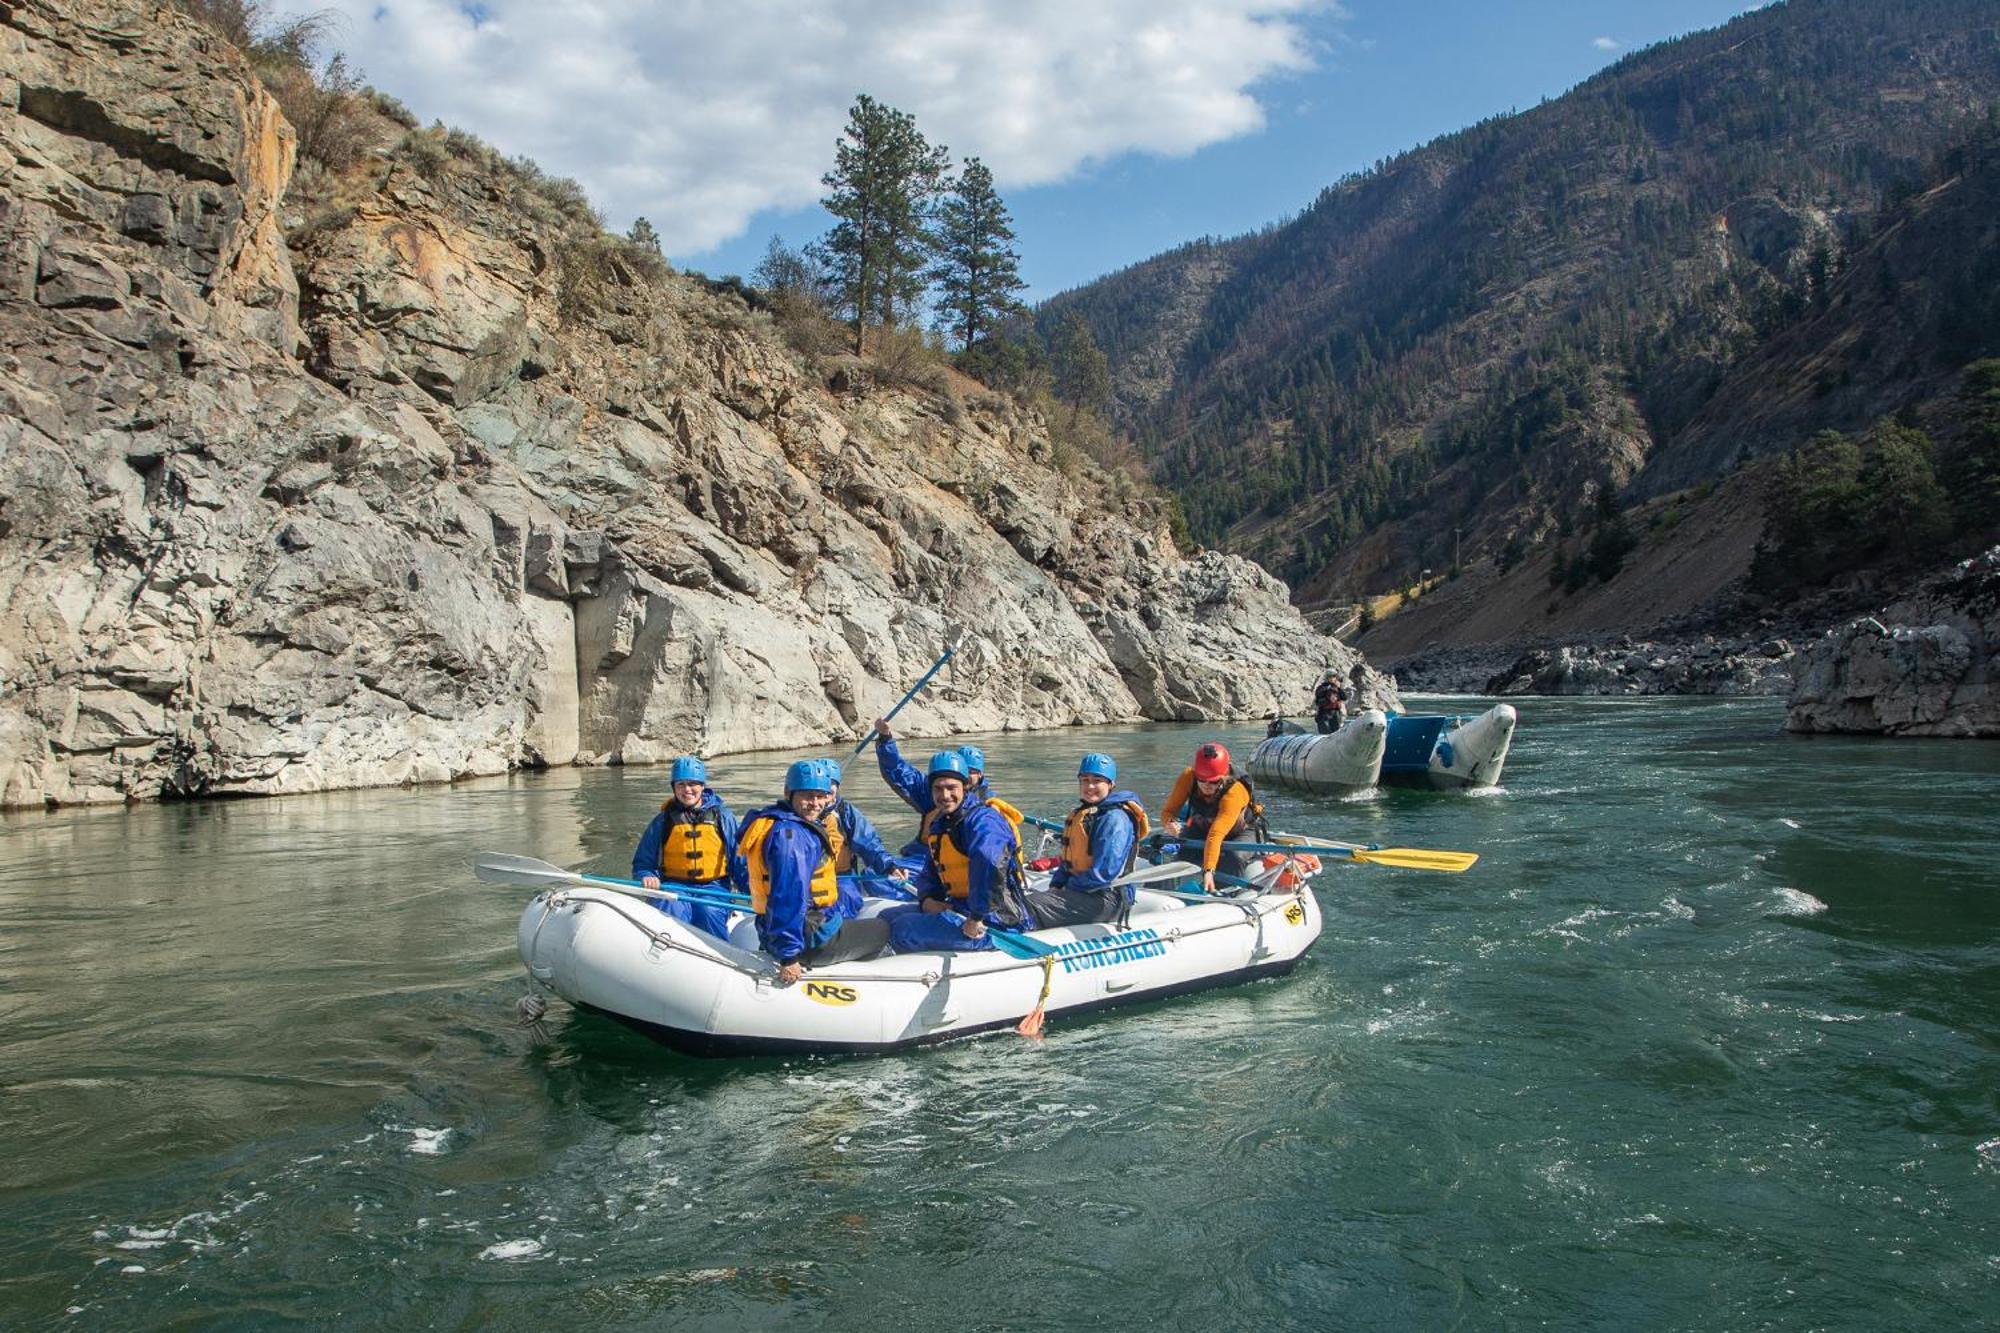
(1923,667)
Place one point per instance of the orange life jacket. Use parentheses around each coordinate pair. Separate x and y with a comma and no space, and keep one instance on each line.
(836,841)
(1076,834)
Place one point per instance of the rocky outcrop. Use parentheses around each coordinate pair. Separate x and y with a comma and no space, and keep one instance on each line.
(1923,667)
(424,481)
(1626,666)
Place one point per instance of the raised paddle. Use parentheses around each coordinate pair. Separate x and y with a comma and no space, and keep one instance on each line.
(909,695)
(527,872)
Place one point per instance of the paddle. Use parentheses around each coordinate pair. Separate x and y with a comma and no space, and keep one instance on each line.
(527,872)
(911,694)
(1404,858)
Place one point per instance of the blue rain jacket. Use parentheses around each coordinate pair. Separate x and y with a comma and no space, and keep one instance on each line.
(1111,839)
(646,857)
(793,849)
(869,852)
(990,847)
(908,781)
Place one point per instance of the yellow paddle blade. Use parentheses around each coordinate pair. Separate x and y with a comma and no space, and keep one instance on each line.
(1416,858)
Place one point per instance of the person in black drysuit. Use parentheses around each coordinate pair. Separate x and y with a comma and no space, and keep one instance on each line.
(1329,703)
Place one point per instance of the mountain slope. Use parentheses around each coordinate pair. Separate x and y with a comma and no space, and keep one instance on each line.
(1476,339)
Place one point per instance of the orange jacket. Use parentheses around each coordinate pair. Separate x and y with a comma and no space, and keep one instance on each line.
(1228,814)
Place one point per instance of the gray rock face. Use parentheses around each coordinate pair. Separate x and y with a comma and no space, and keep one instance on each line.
(392,507)
(1707,666)
(1924,667)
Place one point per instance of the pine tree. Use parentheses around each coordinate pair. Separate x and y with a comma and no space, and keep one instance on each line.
(881,189)
(977,271)
(642,234)
(1083,373)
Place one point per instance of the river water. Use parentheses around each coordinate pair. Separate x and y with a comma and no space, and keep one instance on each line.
(1706,1039)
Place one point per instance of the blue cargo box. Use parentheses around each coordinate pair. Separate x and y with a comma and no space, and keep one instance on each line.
(1411,741)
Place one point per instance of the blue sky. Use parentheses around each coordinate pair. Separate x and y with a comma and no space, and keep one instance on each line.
(1386,77)
(1115,128)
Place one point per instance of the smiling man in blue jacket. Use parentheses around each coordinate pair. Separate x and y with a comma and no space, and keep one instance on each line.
(972,876)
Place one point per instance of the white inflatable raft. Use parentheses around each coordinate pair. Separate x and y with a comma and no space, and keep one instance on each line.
(603,950)
(1333,764)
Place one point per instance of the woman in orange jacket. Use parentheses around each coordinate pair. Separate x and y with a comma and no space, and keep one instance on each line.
(1210,804)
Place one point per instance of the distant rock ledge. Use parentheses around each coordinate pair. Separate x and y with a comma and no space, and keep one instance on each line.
(1922,667)
(1623,666)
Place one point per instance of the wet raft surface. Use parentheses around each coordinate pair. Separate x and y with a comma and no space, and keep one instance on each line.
(1705,1039)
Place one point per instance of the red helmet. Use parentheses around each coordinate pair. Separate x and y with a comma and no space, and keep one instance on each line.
(1211,762)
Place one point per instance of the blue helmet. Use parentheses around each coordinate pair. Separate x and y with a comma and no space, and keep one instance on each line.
(1098,765)
(975,758)
(687,768)
(832,768)
(807,775)
(950,764)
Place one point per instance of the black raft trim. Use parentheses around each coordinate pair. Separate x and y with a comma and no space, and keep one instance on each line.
(721,1045)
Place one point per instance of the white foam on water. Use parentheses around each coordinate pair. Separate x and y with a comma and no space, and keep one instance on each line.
(1989,1152)
(1678,910)
(512,1250)
(1790,823)
(423,1141)
(132,1268)
(140,1244)
(1479,792)
(1797,902)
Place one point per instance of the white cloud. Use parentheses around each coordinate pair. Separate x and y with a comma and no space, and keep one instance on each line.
(1606,43)
(700,113)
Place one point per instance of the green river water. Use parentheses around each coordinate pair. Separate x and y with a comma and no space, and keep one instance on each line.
(1707,1039)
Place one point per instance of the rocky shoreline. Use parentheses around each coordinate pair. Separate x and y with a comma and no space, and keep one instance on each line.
(1922,666)
(1621,665)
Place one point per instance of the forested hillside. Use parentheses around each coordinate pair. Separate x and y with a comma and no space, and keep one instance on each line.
(1483,345)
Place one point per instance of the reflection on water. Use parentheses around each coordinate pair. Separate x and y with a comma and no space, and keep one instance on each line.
(1705,1037)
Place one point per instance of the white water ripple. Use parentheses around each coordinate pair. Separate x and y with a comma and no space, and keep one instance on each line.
(1797,902)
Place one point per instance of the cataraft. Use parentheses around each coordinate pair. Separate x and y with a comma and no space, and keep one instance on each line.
(1396,749)
(602,945)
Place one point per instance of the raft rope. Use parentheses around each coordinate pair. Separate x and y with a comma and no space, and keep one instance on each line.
(1031,1026)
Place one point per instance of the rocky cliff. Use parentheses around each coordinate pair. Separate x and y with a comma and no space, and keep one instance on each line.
(411,476)
(1925,666)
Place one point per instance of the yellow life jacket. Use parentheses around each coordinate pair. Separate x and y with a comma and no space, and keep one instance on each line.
(1076,834)
(836,841)
(955,867)
(1013,816)
(825,889)
(693,851)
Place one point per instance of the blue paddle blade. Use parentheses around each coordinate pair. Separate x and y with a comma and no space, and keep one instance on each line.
(1018,946)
